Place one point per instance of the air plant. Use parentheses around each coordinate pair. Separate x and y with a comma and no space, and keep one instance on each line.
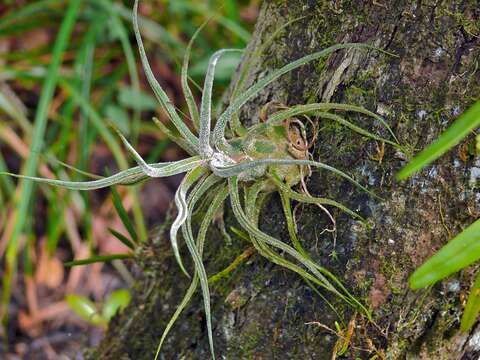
(272,156)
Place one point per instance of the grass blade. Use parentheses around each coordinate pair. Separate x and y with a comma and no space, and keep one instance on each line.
(472,308)
(150,29)
(466,123)
(122,238)
(97,121)
(99,258)
(229,24)
(233,265)
(122,35)
(460,252)
(117,202)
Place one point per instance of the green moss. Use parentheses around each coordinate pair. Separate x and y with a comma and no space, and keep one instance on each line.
(469,24)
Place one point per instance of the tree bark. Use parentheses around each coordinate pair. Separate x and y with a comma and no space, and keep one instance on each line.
(262,311)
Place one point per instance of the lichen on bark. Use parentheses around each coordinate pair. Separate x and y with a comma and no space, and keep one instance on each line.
(261,311)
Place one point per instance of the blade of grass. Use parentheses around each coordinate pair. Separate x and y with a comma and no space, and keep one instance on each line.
(7,183)
(461,251)
(117,202)
(99,258)
(122,238)
(233,265)
(97,121)
(55,224)
(40,123)
(466,123)
(472,308)
(158,150)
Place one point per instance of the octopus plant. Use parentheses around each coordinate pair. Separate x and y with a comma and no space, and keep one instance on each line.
(244,165)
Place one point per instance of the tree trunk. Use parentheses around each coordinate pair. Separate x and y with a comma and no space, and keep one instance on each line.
(262,311)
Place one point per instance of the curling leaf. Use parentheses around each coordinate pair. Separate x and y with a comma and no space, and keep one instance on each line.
(206,106)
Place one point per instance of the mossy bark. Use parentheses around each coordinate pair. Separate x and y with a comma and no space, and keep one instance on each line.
(262,311)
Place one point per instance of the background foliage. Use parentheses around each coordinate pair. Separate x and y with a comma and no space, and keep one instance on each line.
(67,68)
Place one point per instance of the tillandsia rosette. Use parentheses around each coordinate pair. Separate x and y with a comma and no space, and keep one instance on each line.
(271,156)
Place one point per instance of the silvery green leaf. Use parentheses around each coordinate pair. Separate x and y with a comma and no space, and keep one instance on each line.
(192,105)
(206,105)
(125,177)
(208,218)
(157,89)
(180,201)
(320,109)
